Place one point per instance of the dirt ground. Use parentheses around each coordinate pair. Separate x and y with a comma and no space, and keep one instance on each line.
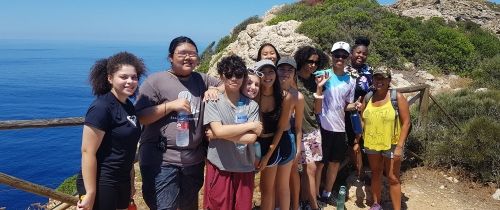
(422,188)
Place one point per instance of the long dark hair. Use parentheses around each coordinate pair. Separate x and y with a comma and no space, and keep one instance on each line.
(303,54)
(259,57)
(277,93)
(99,72)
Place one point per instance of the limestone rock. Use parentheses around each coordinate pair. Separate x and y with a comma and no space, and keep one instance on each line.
(496,195)
(248,42)
(451,10)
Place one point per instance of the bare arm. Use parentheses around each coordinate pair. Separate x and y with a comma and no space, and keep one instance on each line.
(318,100)
(404,118)
(91,140)
(234,132)
(154,113)
(246,138)
(299,114)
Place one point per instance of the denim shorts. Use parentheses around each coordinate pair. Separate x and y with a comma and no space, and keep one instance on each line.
(172,187)
(386,153)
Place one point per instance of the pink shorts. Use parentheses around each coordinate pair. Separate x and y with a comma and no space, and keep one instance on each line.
(310,149)
(226,190)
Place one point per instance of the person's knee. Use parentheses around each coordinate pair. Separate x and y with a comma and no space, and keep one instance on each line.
(393,179)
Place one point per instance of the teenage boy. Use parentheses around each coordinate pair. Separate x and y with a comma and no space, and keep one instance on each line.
(229,178)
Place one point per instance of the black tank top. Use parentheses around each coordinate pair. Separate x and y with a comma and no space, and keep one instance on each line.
(270,121)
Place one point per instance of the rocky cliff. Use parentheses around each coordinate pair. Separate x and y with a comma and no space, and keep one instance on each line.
(485,14)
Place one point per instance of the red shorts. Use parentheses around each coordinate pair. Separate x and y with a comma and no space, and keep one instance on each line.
(226,190)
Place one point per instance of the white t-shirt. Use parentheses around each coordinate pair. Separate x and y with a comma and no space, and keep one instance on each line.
(338,92)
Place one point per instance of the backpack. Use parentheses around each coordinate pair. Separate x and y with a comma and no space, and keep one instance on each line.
(394,103)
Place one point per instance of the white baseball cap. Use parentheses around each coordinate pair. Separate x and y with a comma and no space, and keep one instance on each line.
(341,46)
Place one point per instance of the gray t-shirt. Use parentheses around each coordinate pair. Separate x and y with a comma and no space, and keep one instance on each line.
(223,153)
(164,87)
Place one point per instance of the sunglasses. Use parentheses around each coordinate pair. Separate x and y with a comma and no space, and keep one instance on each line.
(254,72)
(312,62)
(238,74)
(340,55)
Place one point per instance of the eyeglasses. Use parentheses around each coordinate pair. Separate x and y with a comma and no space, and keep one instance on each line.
(340,55)
(312,62)
(186,53)
(254,72)
(238,74)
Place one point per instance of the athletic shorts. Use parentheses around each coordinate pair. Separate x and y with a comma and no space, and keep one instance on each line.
(284,152)
(227,190)
(311,150)
(334,145)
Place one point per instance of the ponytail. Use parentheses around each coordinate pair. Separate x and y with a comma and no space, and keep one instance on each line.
(98,77)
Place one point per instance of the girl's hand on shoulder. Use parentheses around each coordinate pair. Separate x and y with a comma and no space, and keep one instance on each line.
(212,94)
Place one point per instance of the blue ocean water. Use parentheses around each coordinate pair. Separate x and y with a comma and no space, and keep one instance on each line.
(48,79)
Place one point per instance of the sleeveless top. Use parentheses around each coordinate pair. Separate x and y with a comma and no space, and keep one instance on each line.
(307,87)
(379,132)
(270,121)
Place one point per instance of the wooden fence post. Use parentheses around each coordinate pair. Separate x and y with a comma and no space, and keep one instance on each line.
(424,106)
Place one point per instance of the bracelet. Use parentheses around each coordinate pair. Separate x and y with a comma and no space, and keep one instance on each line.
(318,97)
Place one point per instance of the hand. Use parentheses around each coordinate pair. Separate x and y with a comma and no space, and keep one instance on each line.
(257,127)
(212,94)
(209,134)
(355,148)
(358,104)
(321,80)
(87,203)
(398,152)
(181,104)
(263,162)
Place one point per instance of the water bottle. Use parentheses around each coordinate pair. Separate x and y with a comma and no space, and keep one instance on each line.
(341,198)
(258,154)
(356,122)
(182,137)
(239,118)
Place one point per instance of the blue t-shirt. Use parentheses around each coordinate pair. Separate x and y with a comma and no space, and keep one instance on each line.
(116,153)
(338,92)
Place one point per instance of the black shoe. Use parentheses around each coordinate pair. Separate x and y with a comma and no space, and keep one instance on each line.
(329,200)
(320,203)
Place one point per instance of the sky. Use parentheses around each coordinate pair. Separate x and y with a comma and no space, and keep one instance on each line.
(127,20)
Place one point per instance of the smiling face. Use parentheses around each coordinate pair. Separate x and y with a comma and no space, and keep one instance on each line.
(269,53)
(123,82)
(339,59)
(286,73)
(311,64)
(252,86)
(380,82)
(269,77)
(184,59)
(359,55)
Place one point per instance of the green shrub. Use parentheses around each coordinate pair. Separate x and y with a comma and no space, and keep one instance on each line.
(431,45)
(68,186)
(487,73)
(475,148)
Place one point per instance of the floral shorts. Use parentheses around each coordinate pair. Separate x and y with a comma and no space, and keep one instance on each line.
(310,149)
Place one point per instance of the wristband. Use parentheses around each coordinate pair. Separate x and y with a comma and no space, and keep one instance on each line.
(317,97)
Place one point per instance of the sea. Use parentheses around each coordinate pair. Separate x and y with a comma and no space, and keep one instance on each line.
(49,79)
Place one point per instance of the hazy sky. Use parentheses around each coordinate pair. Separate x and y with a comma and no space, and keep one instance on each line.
(126,20)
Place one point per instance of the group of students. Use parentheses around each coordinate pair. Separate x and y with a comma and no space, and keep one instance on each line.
(280,113)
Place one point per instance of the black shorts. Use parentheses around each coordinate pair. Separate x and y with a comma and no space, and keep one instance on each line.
(284,152)
(334,146)
(108,196)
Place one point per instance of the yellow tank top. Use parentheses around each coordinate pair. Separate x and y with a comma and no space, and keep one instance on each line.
(378,129)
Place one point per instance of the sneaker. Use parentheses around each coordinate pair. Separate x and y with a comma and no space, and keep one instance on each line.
(329,200)
(320,203)
(376,206)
